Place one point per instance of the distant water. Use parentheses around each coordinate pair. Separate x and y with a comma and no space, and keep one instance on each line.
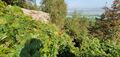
(92,11)
(88,12)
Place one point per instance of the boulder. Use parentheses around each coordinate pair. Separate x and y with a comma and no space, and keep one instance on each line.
(37,15)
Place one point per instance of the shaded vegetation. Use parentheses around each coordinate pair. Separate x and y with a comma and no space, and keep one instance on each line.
(28,4)
(31,48)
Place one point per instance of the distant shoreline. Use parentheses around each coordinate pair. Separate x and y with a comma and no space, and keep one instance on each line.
(89,12)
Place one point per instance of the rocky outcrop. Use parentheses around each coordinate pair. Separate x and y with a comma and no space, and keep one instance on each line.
(37,15)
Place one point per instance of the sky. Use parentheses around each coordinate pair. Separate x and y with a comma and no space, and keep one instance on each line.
(87,4)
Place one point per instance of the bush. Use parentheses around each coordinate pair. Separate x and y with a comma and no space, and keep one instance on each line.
(96,48)
(89,46)
(77,28)
(19,35)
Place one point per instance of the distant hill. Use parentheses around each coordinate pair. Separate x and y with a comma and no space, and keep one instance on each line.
(88,12)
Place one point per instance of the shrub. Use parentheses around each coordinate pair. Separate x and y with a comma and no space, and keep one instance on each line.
(19,33)
(77,28)
(96,48)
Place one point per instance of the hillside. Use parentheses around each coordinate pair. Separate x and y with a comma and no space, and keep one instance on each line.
(29,30)
(21,35)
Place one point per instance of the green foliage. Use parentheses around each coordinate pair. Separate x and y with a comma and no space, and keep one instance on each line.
(13,2)
(91,48)
(28,4)
(112,48)
(108,26)
(31,48)
(66,53)
(95,48)
(19,35)
(77,27)
(31,6)
(57,10)
(107,29)
(2,6)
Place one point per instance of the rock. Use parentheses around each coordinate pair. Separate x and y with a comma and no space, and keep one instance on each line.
(37,15)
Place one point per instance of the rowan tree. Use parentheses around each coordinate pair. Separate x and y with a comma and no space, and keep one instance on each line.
(108,26)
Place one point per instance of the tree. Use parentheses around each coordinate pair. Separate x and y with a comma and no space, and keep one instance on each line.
(13,2)
(57,10)
(77,28)
(28,4)
(107,27)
